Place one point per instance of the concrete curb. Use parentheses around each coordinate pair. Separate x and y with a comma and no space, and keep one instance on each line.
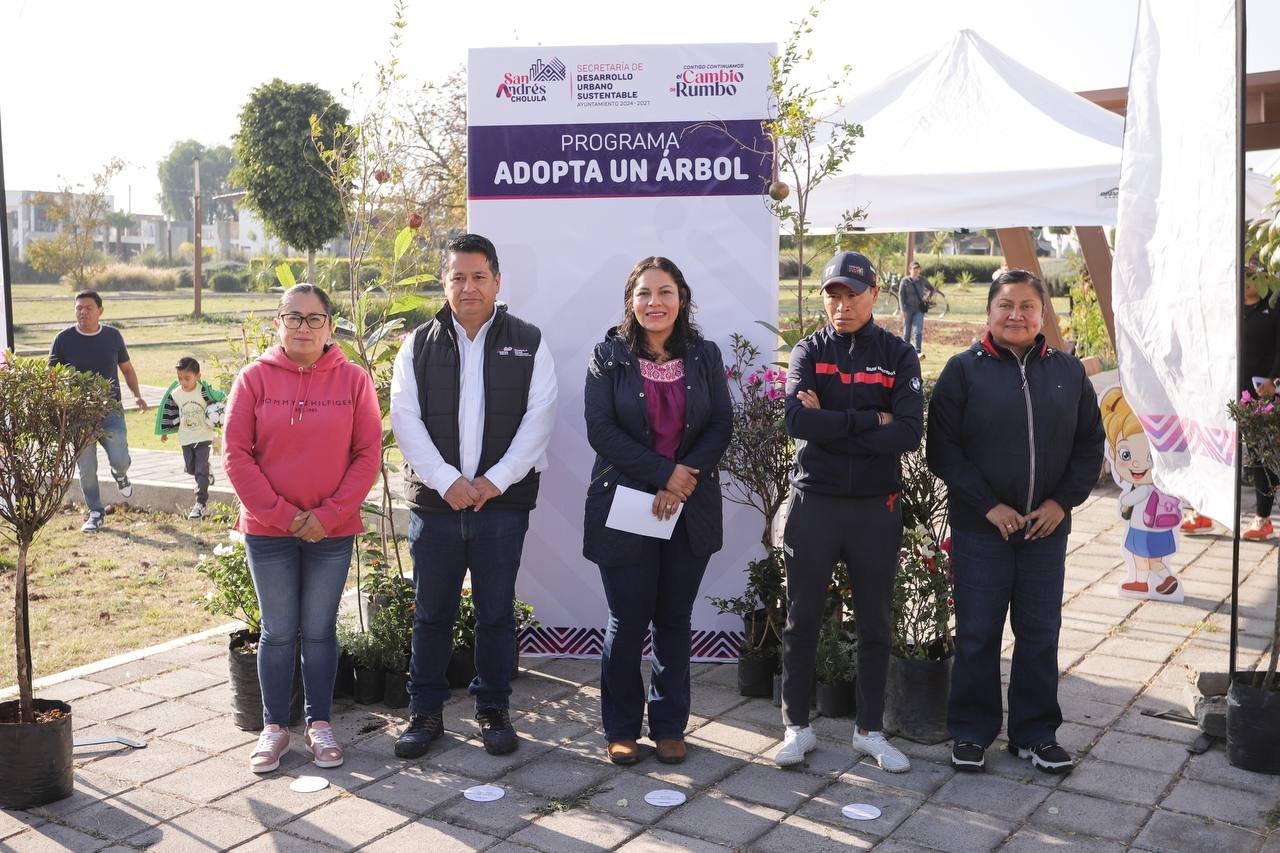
(161,496)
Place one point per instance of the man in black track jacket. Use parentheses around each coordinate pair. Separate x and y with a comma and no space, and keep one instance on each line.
(854,405)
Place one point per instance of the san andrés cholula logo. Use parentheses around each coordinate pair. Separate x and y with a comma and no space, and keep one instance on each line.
(531,86)
(701,81)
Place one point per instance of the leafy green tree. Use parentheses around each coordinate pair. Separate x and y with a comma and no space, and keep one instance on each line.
(177,181)
(280,167)
(81,215)
(48,416)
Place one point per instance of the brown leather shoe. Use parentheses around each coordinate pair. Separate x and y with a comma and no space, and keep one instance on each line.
(671,751)
(623,752)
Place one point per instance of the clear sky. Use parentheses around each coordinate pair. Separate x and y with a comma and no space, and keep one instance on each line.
(82,80)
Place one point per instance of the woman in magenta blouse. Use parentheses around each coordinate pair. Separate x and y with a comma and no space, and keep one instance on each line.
(659,419)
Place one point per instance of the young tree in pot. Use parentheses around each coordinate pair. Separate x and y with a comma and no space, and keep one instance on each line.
(370,658)
(391,626)
(761,608)
(48,417)
(1253,699)
(923,647)
(232,595)
(462,664)
(837,668)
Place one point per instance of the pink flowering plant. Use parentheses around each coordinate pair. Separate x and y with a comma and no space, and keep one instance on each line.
(759,457)
(1258,421)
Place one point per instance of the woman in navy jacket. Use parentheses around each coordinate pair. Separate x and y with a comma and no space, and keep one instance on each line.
(1015,433)
(659,418)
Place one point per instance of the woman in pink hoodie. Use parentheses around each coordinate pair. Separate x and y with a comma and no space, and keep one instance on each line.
(303,444)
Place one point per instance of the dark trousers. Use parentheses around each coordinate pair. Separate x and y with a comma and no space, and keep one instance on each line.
(866,533)
(1023,579)
(1264,488)
(656,588)
(196,458)
(445,546)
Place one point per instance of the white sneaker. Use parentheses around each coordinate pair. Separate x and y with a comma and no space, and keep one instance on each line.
(93,523)
(795,744)
(197,511)
(123,484)
(885,754)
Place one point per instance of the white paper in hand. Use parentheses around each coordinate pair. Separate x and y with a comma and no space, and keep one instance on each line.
(632,512)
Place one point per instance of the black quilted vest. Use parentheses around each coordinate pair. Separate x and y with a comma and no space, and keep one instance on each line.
(509,350)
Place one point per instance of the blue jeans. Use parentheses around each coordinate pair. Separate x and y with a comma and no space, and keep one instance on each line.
(913,321)
(116,443)
(299,585)
(1023,579)
(657,587)
(444,546)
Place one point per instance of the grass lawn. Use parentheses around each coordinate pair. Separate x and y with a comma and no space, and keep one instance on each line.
(129,586)
(161,305)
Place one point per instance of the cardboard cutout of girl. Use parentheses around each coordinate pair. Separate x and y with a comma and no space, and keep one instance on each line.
(1153,516)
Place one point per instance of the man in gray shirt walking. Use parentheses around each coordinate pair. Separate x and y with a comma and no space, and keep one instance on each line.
(95,348)
(915,293)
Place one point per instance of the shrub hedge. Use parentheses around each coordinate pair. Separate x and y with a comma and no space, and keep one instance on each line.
(132,277)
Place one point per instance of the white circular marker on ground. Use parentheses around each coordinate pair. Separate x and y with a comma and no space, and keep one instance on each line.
(664,798)
(308,784)
(484,793)
(860,811)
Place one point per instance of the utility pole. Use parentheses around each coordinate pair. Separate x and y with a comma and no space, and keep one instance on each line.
(196,282)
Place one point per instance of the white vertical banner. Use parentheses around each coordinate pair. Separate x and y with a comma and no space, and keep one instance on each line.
(582,161)
(1177,256)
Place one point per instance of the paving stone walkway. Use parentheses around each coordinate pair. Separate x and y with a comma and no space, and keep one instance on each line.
(1136,786)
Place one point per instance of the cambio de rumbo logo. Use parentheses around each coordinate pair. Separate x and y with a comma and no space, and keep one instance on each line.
(531,86)
(703,81)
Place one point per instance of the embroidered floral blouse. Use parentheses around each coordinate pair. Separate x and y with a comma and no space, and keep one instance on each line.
(664,397)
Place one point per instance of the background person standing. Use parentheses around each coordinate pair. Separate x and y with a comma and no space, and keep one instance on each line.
(915,294)
(94,347)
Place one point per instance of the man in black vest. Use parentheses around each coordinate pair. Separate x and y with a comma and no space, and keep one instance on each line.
(473,398)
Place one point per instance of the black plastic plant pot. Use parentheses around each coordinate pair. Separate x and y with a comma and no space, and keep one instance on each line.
(370,685)
(35,758)
(462,667)
(395,692)
(755,629)
(837,700)
(915,699)
(246,692)
(1253,725)
(345,681)
(755,673)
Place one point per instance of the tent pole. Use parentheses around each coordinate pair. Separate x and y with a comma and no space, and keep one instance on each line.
(911,251)
(1020,253)
(6,279)
(1097,259)
(1239,300)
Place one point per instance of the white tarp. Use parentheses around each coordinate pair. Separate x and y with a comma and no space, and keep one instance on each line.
(582,161)
(1176,267)
(968,137)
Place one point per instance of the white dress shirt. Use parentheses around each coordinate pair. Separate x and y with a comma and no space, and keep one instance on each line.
(528,449)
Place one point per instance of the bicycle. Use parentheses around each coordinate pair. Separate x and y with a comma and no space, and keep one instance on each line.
(889,301)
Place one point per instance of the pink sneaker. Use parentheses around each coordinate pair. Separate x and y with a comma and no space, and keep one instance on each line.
(272,743)
(323,745)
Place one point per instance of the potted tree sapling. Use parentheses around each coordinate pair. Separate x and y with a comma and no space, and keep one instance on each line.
(48,416)
(758,464)
(923,646)
(837,666)
(232,595)
(1253,698)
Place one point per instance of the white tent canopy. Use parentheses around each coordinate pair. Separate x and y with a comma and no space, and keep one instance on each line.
(969,138)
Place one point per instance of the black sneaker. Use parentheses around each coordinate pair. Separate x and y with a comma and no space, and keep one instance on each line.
(1047,757)
(496,731)
(415,740)
(968,757)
